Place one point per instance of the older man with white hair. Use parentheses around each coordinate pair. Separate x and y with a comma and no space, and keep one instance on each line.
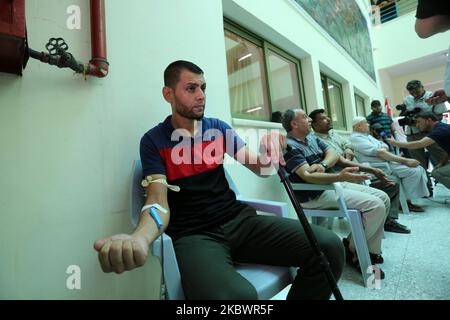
(368,149)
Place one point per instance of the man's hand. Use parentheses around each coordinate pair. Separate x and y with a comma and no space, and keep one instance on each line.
(438,97)
(348,154)
(347,175)
(272,145)
(411,162)
(382,177)
(316,168)
(121,252)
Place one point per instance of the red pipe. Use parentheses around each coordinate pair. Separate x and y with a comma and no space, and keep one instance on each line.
(98,66)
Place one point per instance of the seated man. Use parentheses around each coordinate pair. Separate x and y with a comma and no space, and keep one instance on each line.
(310,160)
(439,133)
(323,129)
(210,229)
(368,149)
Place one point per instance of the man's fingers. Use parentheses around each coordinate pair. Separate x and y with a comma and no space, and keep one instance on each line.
(115,256)
(139,254)
(98,245)
(127,255)
(103,257)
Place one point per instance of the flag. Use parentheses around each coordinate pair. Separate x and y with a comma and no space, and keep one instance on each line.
(388,109)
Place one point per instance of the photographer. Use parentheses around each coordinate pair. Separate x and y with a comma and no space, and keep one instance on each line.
(416,103)
(439,133)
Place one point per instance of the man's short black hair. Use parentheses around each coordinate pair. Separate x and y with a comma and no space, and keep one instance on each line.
(375,103)
(173,70)
(277,116)
(314,113)
(413,84)
(288,116)
(427,115)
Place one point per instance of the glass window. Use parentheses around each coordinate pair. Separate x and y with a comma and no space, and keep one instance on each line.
(332,97)
(246,78)
(284,83)
(263,80)
(360,106)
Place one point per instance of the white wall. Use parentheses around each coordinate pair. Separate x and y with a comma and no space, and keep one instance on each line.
(396,42)
(67,145)
(427,76)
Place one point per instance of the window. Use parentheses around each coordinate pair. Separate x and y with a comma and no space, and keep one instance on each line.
(263,80)
(332,97)
(360,106)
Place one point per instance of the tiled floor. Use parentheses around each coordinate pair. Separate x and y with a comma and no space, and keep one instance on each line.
(417,265)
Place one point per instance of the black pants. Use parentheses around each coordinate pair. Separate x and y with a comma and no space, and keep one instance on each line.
(206,259)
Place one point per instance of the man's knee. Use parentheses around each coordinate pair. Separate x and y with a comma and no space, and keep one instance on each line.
(232,291)
(333,249)
(436,173)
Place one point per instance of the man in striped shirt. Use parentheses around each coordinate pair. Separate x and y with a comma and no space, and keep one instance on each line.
(377,116)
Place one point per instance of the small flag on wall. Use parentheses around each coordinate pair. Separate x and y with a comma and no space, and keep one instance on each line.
(388,109)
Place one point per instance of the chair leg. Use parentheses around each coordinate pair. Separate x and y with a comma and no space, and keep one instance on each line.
(403,201)
(359,238)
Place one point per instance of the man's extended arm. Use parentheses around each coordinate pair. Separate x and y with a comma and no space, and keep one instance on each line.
(386,155)
(422,143)
(376,172)
(123,252)
(327,178)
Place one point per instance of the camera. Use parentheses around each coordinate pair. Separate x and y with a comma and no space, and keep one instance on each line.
(409,115)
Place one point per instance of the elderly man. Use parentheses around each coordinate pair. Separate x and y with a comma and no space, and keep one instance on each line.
(322,126)
(368,149)
(310,160)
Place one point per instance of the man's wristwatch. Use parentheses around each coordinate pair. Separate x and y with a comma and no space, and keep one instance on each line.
(324,165)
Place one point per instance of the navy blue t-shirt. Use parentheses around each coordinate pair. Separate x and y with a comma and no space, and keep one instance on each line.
(441,135)
(195,164)
(311,151)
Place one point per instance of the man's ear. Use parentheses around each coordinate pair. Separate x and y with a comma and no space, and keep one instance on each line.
(167,94)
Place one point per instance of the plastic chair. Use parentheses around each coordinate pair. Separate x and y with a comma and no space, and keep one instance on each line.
(267,280)
(387,169)
(354,219)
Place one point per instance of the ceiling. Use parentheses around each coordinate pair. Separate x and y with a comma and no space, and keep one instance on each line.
(418,65)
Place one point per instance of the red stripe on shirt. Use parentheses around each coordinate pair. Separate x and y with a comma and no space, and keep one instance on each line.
(182,162)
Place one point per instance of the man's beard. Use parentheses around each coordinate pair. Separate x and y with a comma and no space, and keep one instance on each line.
(189,114)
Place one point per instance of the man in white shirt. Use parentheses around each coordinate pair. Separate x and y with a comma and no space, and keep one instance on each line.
(368,149)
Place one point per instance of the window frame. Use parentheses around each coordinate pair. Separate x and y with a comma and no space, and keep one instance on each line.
(326,78)
(266,47)
(357,96)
